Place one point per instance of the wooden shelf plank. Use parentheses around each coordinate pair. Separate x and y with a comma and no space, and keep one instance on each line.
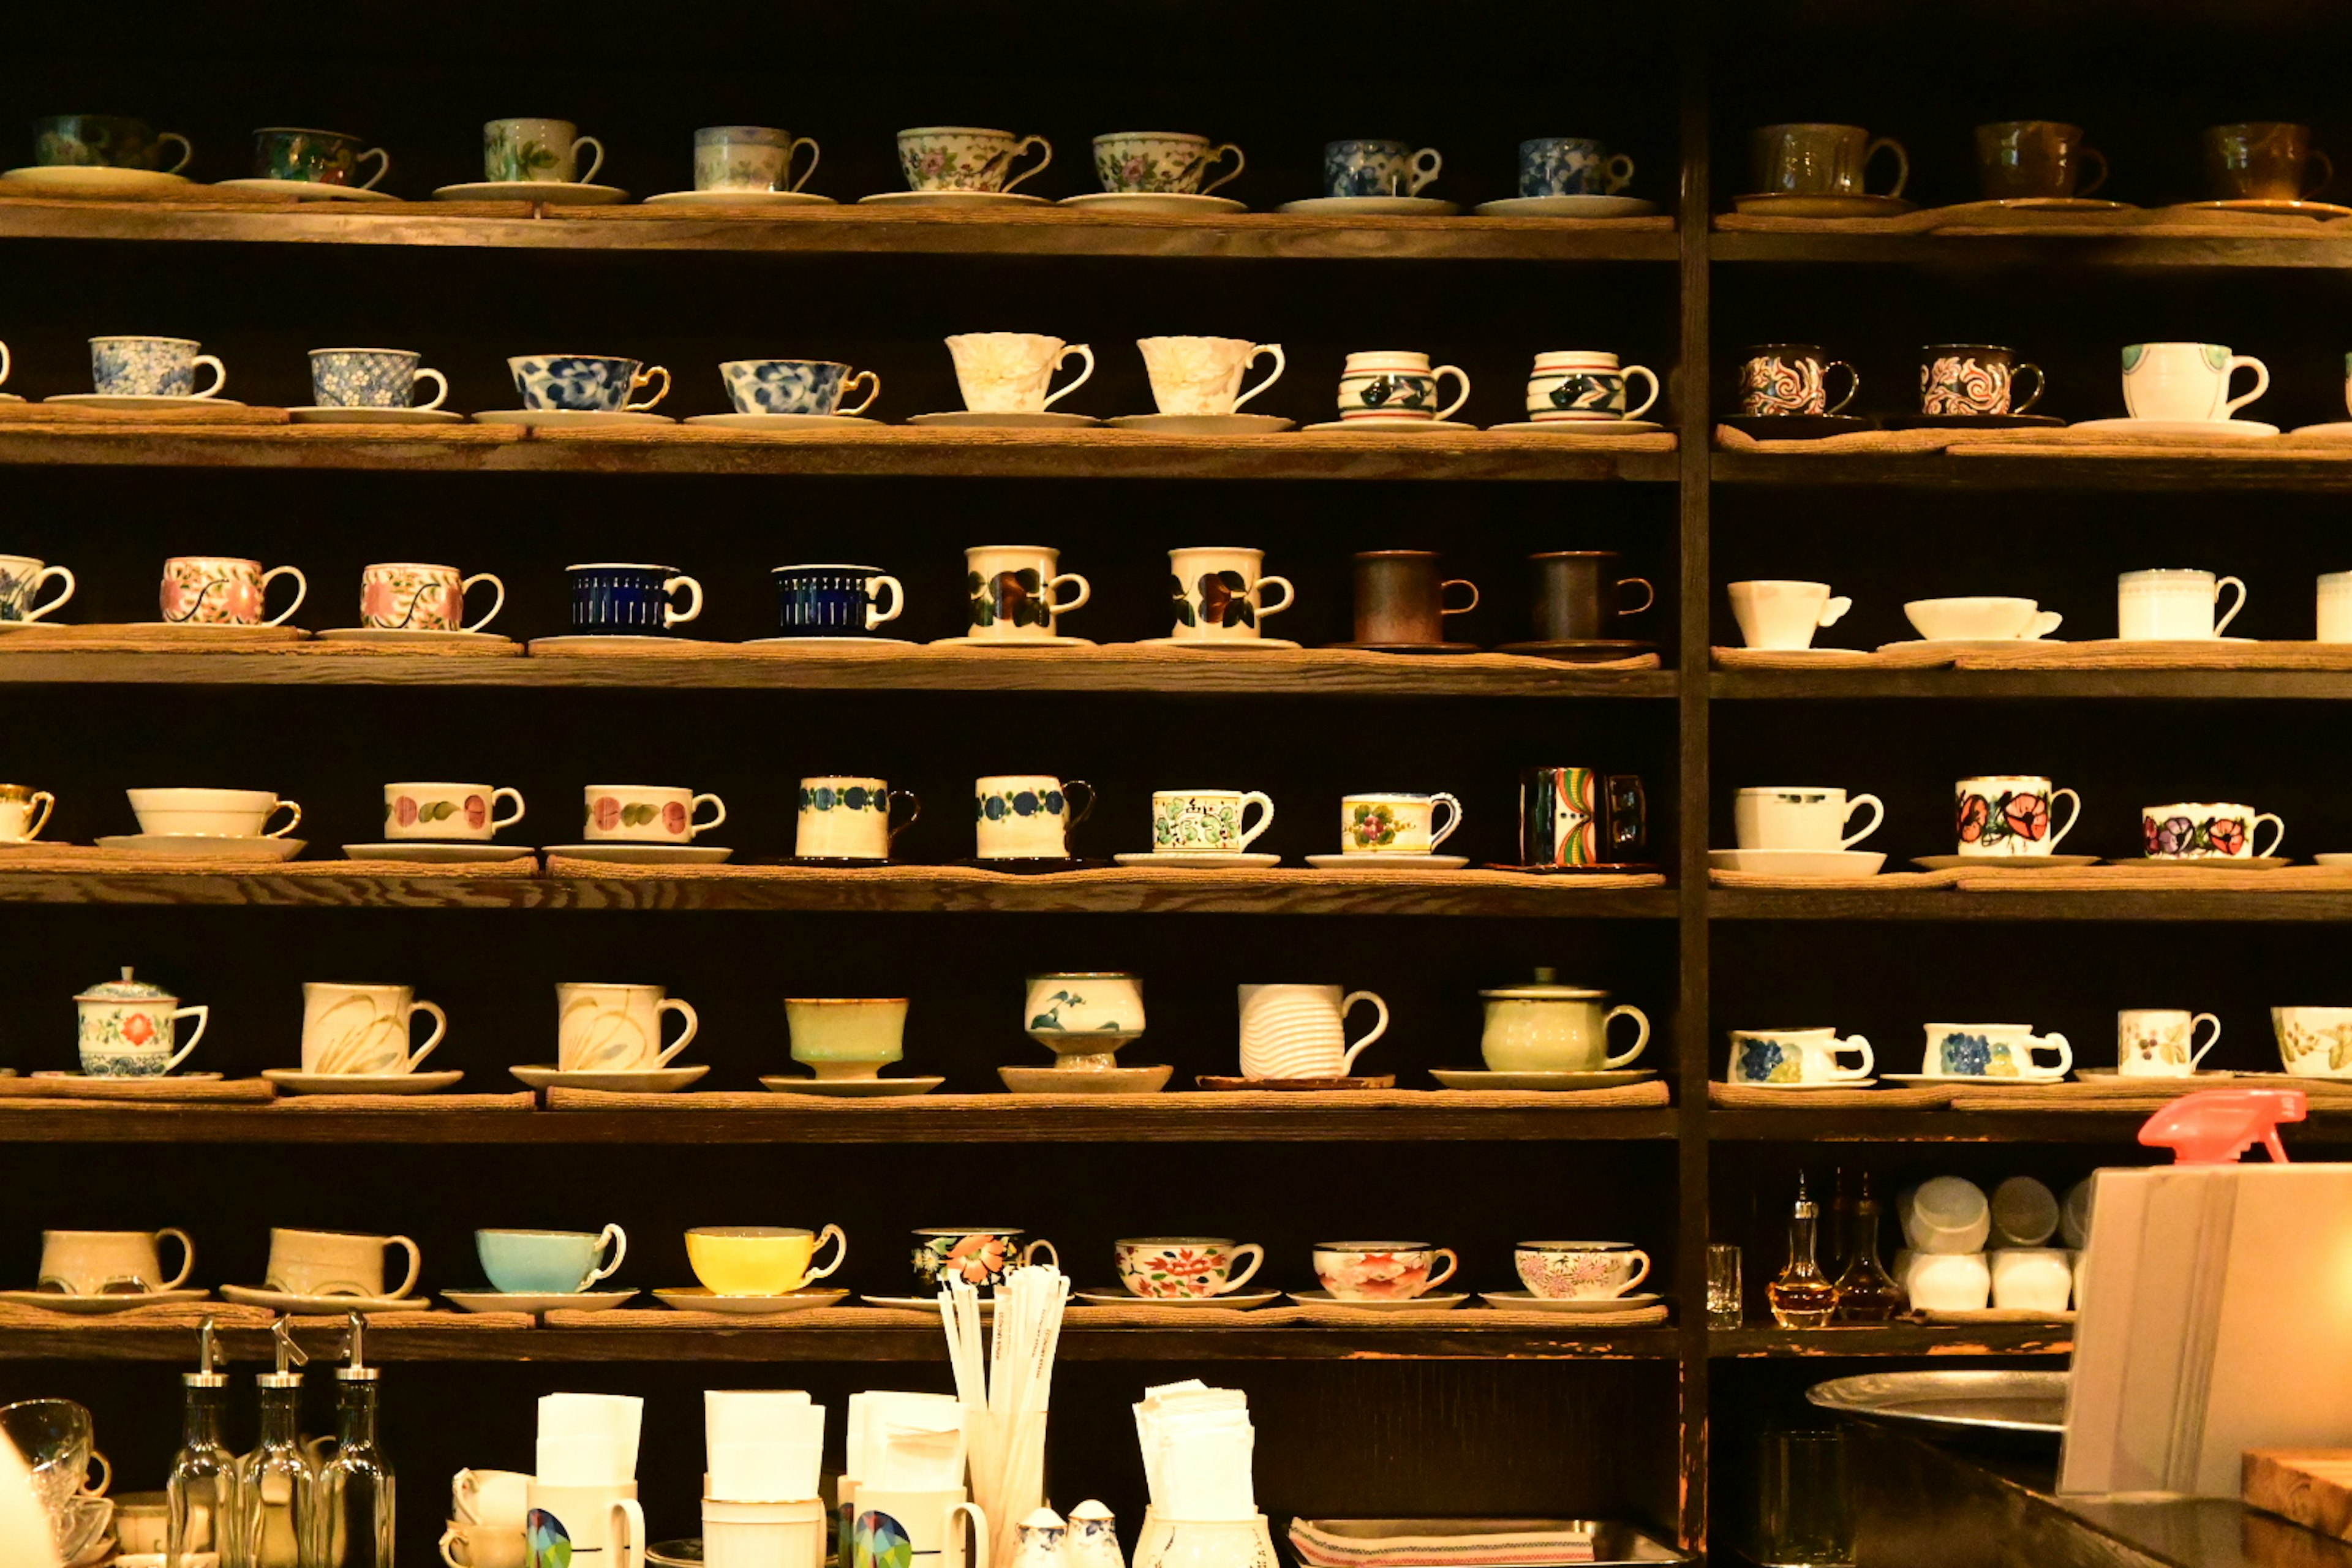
(2109,249)
(2055,471)
(1893,1340)
(1946,904)
(2005,685)
(2112,1126)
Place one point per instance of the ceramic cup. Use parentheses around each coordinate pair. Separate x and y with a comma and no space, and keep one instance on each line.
(1572,166)
(2034,159)
(1569,385)
(550,1262)
(24,812)
(1382,1271)
(364,1028)
(1993,1050)
(223,591)
(489,1497)
(1552,1028)
(105,141)
(979,1255)
(2007,814)
(128,1029)
(1027,816)
(1401,599)
(886,1527)
(1974,378)
(2193,831)
(584,384)
(111,1262)
(2314,1042)
(2262,161)
(1802,818)
(2187,382)
(335,1263)
(1579,597)
(409,596)
(835,601)
(1007,372)
(21,577)
(2030,1279)
(1162,162)
(1012,589)
(447,813)
(2173,605)
(761,1259)
(617,1028)
(464,1545)
(1393,385)
(586,1523)
(1184,1266)
(2335,607)
(749,158)
(1981,619)
(1088,1014)
(532,150)
(804,386)
(1203,375)
(372,378)
(1784,615)
(1791,378)
(1219,594)
(1797,1055)
(134,366)
(629,599)
(1580,1270)
(963,158)
(211,813)
(1819,160)
(1580,817)
(1206,821)
(847,1037)
(1376,166)
(845,818)
(647,814)
(1395,823)
(2162,1042)
(316,157)
(1299,1031)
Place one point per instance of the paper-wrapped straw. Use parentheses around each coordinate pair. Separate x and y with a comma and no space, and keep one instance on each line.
(1007,1406)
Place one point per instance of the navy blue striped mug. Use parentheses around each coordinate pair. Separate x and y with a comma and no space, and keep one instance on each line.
(835,601)
(630,600)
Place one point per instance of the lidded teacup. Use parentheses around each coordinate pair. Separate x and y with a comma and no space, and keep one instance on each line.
(1550,1028)
(128,1027)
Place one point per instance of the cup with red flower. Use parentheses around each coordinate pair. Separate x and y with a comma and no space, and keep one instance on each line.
(447,813)
(979,1255)
(1382,1271)
(1185,1268)
(2008,815)
(647,814)
(2206,830)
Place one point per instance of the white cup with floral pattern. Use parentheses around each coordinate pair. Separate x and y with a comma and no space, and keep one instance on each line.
(224,591)
(966,158)
(1580,1270)
(1185,1268)
(647,814)
(1382,1271)
(2162,1042)
(2007,816)
(411,597)
(2201,830)
(1206,821)
(1395,823)
(447,813)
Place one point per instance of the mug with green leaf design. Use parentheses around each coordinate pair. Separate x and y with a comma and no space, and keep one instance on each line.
(1219,594)
(2314,1042)
(1012,589)
(527,151)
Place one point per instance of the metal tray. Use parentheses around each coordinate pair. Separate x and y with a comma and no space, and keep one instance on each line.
(1613,1542)
(2031,1403)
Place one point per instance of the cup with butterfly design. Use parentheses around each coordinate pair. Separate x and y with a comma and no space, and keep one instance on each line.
(1974,379)
(1791,378)
(2007,816)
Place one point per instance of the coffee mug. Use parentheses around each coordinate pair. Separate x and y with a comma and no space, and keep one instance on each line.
(833,601)
(1993,1050)
(1394,384)
(335,1263)
(105,142)
(887,1529)
(2021,160)
(1395,823)
(1012,589)
(749,158)
(1203,375)
(979,1255)
(1802,818)
(2173,605)
(1580,817)
(629,599)
(2314,1042)
(1797,1055)
(364,1030)
(24,812)
(408,596)
(21,577)
(1206,821)
(617,1028)
(647,814)
(1791,378)
(1584,383)
(372,378)
(2335,608)
(1784,615)
(1219,595)
(2193,831)
(761,1259)
(1980,618)
(489,1497)
(1027,816)
(211,813)
(447,813)
(135,366)
(549,1262)
(1973,379)
(1401,599)
(532,152)
(110,1262)
(2262,161)
(1547,1027)
(847,1037)
(586,1525)
(1162,162)
(1382,1271)
(1819,160)
(1580,596)
(586,383)
(1580,1270)
(2008,815)
(2187,382)
(962,158)
(316,157)
(1185,1268)
(1299,1031)
(1007,372)
(1570,167)
(128,1029)
(845,818)
(468,1545)
(814,388)
(2162,1042)
(1377,166)
(223,591)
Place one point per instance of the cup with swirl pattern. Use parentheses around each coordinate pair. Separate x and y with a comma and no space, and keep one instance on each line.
(1974,379)
(1791,378)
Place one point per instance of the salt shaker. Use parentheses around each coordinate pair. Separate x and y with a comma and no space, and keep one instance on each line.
(1041,1536)
(1093,1537)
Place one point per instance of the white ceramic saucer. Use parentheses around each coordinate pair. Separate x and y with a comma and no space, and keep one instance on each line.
(571,418)
(1550,1083)
(1202,424)
(553,192)
(851,1088)
(2339,861)
(1171,204)
(392,635)
(644,854)
(536,1301)
(1069,1080)
(775,422)
(1012,643)
(1374,206)
(77,180)
(1397,423)
(305,190)
(2232,430)
(1791,204)
(158,1085)
(2275,207)
(1117,1298)
(1237,862)
(2211,862)
(964,419)
(295,1081)
(1959,1080)
(1813,1088)
(920,1303)
(2003,862)
(648,1080)
(315,415)
(832,642)
(2339,430)
(1968,645)
(695,1298)
(1436,1301)
(2110,1075)
(322,1306)
(99,1306)
(418,853)
(1237,645)
(194,848)
(2057,203)
(1580,427)
(1823,863)
(1567,206)
(741,199)
(138,401)
(1528,1301)
(1388,862)
(953,199)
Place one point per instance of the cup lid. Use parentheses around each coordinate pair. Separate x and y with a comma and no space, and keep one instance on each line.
(1545,989)
(125,990)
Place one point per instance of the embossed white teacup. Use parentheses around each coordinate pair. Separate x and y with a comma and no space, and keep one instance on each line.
(1007,372)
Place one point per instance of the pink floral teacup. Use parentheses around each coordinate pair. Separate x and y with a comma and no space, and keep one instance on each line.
(403,595)
(222,590)
(1165,1267)
(977,1256)
(1581,1270)
(1381,1270)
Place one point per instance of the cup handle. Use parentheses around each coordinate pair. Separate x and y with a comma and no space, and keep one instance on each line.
(2262,382)
(1289,596)
(105,1476)
(613,1235)
(594,164)
(188,1249)
(1877,816)
(693,1022)
(1426,164)
(503,792)
(292,823)
(840,1251)
(48,572)
(220,376)
(1902,160)
(439,380)
(670,615)
(1249,835)
(1440,374)
(1617,179)
(1240,163)
(202,1014)
(2072,817)
(1453,1262)
(2043,623)
(497,605)
(440,1027)
(1064,606)
(1648,595)
(416,1263)
(815,152)
(956,1557)
(1438,835)
(695,804)
(875,615)
(1641,1038)
(625,1529)
(2040,384)
(1851,1043)
(1280,364)
(301,591)
(646,379)
(872,390)
(383,166)
(2098,180)
(2327,176)
(449,1538)
(1444,609)
(1833,609)
(1854,383)
(1024,145)
(1348,1061)
(47,802)
(2239,603)
(2277,840)
(187,150)
(912,817)
(2052,1041)
(1637,1279)
(1646,374)
(5,362)
(1256,1260)
(2195,1051)
(1070,787)
(1029,1253)
(1084,376)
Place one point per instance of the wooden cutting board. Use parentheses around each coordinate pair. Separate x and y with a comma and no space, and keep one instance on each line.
(2312,1487)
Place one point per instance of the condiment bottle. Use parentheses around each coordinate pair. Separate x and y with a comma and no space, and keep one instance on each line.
(355,1486)
(201,1494)
(1866,1293)
(1801,1297)
(276,1510)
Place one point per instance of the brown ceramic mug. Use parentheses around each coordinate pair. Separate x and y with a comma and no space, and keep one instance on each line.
(2262,161)
(1578,594)
(1819,160)
(1973,378)
(2019,160)
(1401,599)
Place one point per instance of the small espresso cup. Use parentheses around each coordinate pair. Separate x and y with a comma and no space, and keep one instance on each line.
(1395,823)
(447,813)
(584,384)
(1819,160)
(2162,1042)
(804,386)
(965,158)
(2314,1042)
(761,1259)
(21,577)
(364,1030)
(617,1028)
(1401,599)
(110,1262)
(1378,167)
(1206,821)
(530,152)
(2262,161)
(1580,817)
(843,818)
(224,591)
(1012,589)
(1203,375)
(1580,596)
(24,812)
(1783,615)
(1027,816)
(2189,830)
(1993,1050)
(1580,1270)
(630,598)
(647,814)
(410,595)
(1162,162)
(2007,816)
(749,158)
(1791,378)
(1394,384)
(1802,818)
(2019,160)
(1797,1055)
(2335,607)
(1185,1268)
(1219,594)
(105,142)
(814,601)
(2173,605)
(1008,372)
(372,378)
(132,366)
(550,1262)
(2187,381)
(316,157)
(1570,167)
(1973,378)
(1569,385)
(335,1263)
(1382,1271)
(979,1255)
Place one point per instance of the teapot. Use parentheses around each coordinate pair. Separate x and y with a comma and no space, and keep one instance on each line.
(1550,1028)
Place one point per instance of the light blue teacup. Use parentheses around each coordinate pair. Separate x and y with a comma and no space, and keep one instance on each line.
(795,385)
(548,1262)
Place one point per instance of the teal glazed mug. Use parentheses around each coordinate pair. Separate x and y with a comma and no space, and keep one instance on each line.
(105,142)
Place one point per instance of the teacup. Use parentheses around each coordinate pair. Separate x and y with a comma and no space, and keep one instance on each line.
(1396,823)
(136,366)
(110,1262)
(1993,1050)
(489,1497)
(211,813)
(1572,166)
(468,1544)
(1378,167)
(1584,383)
(2034,159)
(584,384)
(1547,1027)
(2030,1279)
(1580,817)
(1802,818)
(630,598)
(2202,831)
(977,1256)
(833,601)
(24,812)
(224,591)
(1382,1271)
(1819,160)
(1012,589)
(1796,1055)
(761,1259)
(1186,1267)
(2169,605)
(1579,597)
(2262,161)
(1389,385)
(647,814)
(965,158)
(1299,1031)
(1162,162)
(845,818)
(532,150)
(1981,619)
(21,577)
(335,1263)
(1784,615)
(372,378)
(1401,598)
(1088,1014)
(1791,378)
(1206,821)
(364,1030)
(617,1028)
(142,1522)
(413,596)
(105,142)
(2008,815)
(1974,379)
(1203,375)
(1580,1270)
(128,1029)
(847,1037)
(2314,1042)
(549,1262)
(804,386)
(749,158)
(1007,372)
(316,157)
(2186,381)
(1219,594)
(1027,816)
(2335,607)
(2162,1042)
(447,813)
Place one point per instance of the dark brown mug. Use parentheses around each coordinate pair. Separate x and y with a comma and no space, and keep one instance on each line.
(1578,595)
(1401,599)
(1973,378)
(2262,161)
(2018,160)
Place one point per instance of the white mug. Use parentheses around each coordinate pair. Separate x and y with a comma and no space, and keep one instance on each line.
(465,1544)
(335,1263)
(1993,1050)
(1299,1031)
(1027,816)
(1007,372)
(1784,615)
(1801,817)
(647,814)
(2204,830)
(1012,592)
(1203,375)
(489,1497)
(617,1028)
(1219,594)
(2032,1278)
(1797,1055)
(111,1262)
(2173,607)
(1391,385)
(2336,607)
(2160,1042)
(447,813)
(2004,816)
(364,1028)
(931,1523)
(1207,821)
(2186,381)
(589,1518)
(21,577)
(2314,1042)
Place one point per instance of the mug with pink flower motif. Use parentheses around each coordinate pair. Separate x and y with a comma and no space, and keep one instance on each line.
(1581,1270)
(1382,1271)
(404,595)
(1180,1267)
(2203,831)
(2008,815)
(648,814)
(223,591)
(979,1255)
(447,813)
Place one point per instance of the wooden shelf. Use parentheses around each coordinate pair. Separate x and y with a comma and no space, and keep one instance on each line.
(1890,1340)
(2006,685)
(1946,904)
(2026,248)
(1938,470)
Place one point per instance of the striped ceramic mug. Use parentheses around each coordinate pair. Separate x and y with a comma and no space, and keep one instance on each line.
(1297,1031)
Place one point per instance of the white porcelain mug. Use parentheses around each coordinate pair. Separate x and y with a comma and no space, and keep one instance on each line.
(21,577)
(2173,605)
(1299,1031)
(2160,1042)
(2186,381)
(2314,1042)
(1396,823)
(586,1527)
(2336,607)
(647,814)
(364,1030)
(111,1262)
(931,1523)
(1797,1055)
(1993,1050)
(447,813)
(2004,816)
(1784,615)
(211,813)
(617,1028)
(1219,594)
(1007,372)
(1203,375)
(1800,816)
(2207,830)
(335,1263)
(24,812)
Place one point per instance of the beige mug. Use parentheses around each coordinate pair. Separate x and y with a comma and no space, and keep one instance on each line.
(364,1029)
(335,1263)
(617,1028)
(110,1262)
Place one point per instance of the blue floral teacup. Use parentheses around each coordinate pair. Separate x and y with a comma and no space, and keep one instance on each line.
(1570,167)
(1374,166)
(151,367)
(372,378)
(1775,1057)
(796,387)
(1993,1050)
(587,383)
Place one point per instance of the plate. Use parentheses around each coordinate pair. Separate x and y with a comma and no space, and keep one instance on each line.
(1069,1080)
(644,854)
(487,1300)
(2229,430)
(1581,650)
(1825,863)
(1168,203)
(2274,207)
(1528,1301)
(695,1298)
(1597,869)
(1968,421)
(1988,1081)
(295,1081)
(1579,428)
(417,854)
(148,1082)
(572,418)
(865,641)
(2031,1402)
(321,1306)
(202,848)
(851,1088)
(2003,862)
(1789,204)
(1238,1299)
(305,190)
(1437,1302)
(1809,1088)
(99,1306)
(552,192)
(2056,204)
(1235,645)
(953,199)
(1202,862)
(965,419)
(1407,646)
(375,416)
(1396,424)
(80,180)
(128,400)
(772,423)
(1218,1084)
(1388,862)
(1374,206)
(741,199)
(1792,426)
(2207,863)
(1567,206)
(1202,424)
(1010,643)
(1541,1082)
(2339,430)
(644,1080)
(918,1304)
(397,636)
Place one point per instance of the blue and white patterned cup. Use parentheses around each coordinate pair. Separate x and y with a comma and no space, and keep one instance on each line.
(1572,166)
(627,600)
(104,141)
(1578,384)
(151,367)
(1395,385)
(372,378)
(965,158)
(749,158)
(833,601)
(590,383)
(1375,166)
(1993,1050)
(796,387)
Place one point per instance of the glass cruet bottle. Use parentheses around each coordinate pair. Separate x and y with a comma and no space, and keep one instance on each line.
(202,1491)
(355,1491)
(1866,1293)
(1801,1297)
(275,1483)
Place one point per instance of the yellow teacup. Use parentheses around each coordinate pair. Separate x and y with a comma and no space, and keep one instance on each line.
(759,1259)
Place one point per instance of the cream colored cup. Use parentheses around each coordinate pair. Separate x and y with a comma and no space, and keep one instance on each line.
(1395,823)
(761,1260)
(364,1028)
(1027,816)
(849,818)
(1007,372)
(110,1262)
(211,813)
(447,813)
(1012,592)
(1219,594)
(646,813)
(617,1028)
(335,1263)
(1800,816)
(1784,615)
(1203,375)
(847,1037)
(1299,1031)
(2162,1042)
(24,812)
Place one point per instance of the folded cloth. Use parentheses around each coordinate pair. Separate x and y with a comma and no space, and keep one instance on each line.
(1440,1542)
